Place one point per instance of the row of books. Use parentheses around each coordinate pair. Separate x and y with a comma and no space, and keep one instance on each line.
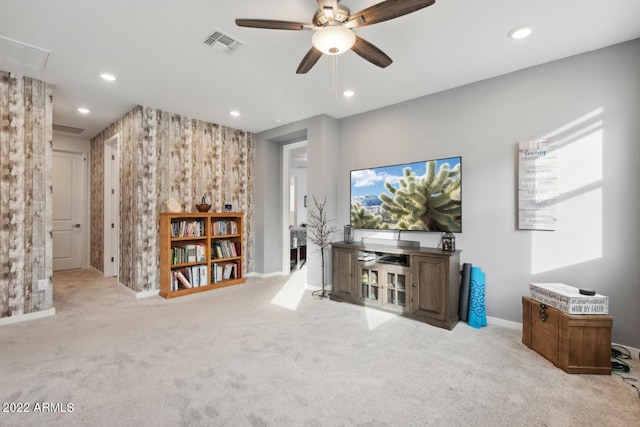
(189,277)
(188,253)
(225,249)
(225,271)
(193,228)
(224,227)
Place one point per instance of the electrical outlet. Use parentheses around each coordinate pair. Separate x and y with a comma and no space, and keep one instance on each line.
(43,284)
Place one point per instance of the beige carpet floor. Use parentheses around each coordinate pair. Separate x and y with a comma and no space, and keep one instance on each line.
(266,353)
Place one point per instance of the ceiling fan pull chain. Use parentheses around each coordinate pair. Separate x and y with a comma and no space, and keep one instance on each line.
(335,77)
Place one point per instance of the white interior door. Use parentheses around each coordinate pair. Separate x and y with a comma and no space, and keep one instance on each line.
(68,199)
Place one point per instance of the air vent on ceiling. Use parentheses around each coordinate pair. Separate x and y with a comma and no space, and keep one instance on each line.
(67,129)
(222,42)
(22,54)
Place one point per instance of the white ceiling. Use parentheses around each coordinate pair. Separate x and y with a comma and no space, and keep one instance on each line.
(156,50)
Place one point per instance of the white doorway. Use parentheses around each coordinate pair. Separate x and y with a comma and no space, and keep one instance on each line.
(294,190)
(69,178)
(111,259)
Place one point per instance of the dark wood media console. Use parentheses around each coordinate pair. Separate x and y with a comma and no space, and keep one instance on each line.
(420,283)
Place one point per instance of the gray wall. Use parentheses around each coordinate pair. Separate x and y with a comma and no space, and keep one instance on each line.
(321,134)
(590,103)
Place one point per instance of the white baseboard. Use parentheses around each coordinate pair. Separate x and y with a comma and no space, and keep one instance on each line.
(29,316)
(140,295)
(504,323)
(147,294)
(266,275)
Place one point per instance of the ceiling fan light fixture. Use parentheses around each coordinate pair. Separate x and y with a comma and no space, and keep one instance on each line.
(333,40)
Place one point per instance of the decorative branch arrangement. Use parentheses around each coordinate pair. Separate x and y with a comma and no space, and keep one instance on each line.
(321,232)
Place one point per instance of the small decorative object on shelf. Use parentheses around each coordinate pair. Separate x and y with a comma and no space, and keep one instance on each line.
(448,242)
(228,208)
(348,234)
(203,207)
(173,206)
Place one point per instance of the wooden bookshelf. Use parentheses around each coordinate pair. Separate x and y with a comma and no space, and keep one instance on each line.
(200,252)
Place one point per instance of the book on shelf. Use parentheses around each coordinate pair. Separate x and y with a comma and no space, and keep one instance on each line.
(204,275)
(188,253)
(223,227)
(191,253)
(225,249)
(200,252)
(216,272)
(225,271)
(229,271)
(189,277)
(185,228)
(183,279)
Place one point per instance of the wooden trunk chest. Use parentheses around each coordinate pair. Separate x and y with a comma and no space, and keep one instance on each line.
(577,344)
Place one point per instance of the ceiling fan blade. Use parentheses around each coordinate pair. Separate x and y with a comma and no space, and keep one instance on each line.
(309,60)
(386,10)
(371,53)
(270,24)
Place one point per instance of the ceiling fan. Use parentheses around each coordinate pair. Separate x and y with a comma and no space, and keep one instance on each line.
(332,26)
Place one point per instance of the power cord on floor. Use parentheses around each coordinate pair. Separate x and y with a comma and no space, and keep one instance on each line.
(618,355)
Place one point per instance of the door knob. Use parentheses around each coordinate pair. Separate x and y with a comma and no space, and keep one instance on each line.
(414,285)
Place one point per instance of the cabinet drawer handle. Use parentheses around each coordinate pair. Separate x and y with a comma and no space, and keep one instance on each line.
(414,285)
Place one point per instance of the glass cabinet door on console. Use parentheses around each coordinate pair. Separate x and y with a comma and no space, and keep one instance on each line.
(384,284)
(395,286)
(370,284)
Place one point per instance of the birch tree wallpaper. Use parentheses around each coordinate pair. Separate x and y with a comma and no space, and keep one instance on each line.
(163,156)
(26,245)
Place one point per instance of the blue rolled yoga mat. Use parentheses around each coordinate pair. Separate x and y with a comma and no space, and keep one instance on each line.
(465,282)
(477,313)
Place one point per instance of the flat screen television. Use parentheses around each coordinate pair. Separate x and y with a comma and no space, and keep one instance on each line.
(420,196)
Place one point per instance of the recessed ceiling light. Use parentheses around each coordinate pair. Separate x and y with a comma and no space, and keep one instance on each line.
(234,113)
(108,77)
(348,93)
(278,120)
(520,32)
(83,110)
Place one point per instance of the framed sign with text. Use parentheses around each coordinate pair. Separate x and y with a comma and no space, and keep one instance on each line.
(537,185)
